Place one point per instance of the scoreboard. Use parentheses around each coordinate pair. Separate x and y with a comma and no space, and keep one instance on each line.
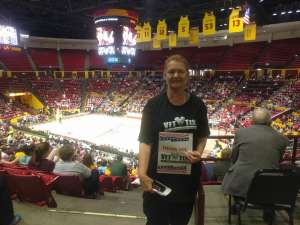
(116,35)
(8,35)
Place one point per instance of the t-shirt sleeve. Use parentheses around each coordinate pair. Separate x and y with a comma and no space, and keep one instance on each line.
(146,130)
(203,128)
(84,171)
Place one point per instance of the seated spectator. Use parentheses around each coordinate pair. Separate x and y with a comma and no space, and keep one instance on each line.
(22,156)
(88,161)
(118,168)
(68,166)
(254,148)
(102,167)
(39,160)
(221,167)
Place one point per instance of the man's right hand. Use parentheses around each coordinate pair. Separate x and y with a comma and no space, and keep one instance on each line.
(146,183)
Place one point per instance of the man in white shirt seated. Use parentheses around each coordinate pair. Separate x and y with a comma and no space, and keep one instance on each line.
(67,165)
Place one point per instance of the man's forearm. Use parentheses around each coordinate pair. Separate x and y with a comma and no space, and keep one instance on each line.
(144,157)
(201,144)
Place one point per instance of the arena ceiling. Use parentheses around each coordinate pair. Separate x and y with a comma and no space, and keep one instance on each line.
(74,18)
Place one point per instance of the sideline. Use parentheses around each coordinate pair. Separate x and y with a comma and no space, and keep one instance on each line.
(96,214)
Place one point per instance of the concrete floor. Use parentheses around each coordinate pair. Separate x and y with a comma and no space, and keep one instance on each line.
(125,208)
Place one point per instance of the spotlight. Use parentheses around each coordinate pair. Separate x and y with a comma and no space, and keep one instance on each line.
(222,9)
(289,12)
(274,14)
(298,11)
(282,13)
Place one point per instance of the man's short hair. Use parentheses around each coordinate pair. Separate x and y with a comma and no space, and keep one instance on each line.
(177,58)
(66,152)
(261,116)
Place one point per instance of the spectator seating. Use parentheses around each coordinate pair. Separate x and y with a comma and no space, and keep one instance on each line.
(69,185)
(73,60)
(15,60)
(241,56)
(96,62)
(278,53)
(44,58)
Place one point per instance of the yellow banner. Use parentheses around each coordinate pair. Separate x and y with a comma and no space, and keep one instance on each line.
(172,40)
(235,21)
(209,24)
(161,30)
(156,43)
(184,27)
(194,36)
(250,32)
(86,74)
(139,33)
(147,32)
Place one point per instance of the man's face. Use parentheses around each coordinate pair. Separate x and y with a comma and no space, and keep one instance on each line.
(176,75)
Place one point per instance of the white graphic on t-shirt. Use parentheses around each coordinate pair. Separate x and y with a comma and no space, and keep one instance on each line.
(180,123)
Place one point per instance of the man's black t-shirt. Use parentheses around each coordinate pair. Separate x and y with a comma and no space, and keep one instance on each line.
(160,115)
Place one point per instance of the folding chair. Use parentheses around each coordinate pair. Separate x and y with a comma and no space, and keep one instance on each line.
(270,189)
(69,185)
(31,188)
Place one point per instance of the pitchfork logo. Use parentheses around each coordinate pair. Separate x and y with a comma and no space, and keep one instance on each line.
(180,123)
(180,120)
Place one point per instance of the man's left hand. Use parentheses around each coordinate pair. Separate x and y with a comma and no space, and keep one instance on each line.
(193,156)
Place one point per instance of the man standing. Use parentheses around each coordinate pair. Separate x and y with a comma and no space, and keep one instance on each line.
(254,148)
(173,111)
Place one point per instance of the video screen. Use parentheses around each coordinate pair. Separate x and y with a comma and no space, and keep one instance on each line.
(8,35)
(128,36)
(105,36)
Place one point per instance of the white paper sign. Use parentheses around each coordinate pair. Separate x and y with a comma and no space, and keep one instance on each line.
(171,156)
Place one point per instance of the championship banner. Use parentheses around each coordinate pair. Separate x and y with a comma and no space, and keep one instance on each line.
(235,21)
(161,30)
(194,36)
(172,40)
(171,153)
(250,32)
(139,33)
(209,24)
(156,43)
(184,27)
(146,32)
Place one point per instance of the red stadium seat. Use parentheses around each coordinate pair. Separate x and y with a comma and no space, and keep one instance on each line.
(31,188)
(69,185)
(107,183)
